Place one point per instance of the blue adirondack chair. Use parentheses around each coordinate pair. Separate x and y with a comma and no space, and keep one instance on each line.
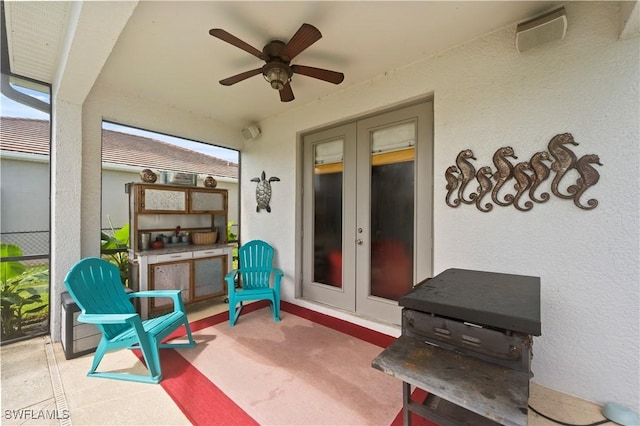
(256,269)
(96,287)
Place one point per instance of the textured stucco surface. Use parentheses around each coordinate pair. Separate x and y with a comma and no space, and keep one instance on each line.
(487,95)
(66,200)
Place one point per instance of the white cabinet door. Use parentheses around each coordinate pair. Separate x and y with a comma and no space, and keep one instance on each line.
(208,276)
(170,276)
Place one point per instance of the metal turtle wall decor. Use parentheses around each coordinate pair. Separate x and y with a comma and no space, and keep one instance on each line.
(263,191)
(528,176)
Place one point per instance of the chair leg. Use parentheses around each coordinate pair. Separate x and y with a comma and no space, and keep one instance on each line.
(234,312)
(189,335)
(156,371)
(149,347)
(100,351)
(274,309)
(190,344)
(151,354)
(151,360)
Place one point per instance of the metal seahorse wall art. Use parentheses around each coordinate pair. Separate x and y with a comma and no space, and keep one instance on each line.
(522,185)
(467,174)
(589,176)
(504,172)
(452,174)
(527,177)
(564,160)
(540,174)
(484,187)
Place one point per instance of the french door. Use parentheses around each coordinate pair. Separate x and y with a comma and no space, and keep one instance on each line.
(367,213)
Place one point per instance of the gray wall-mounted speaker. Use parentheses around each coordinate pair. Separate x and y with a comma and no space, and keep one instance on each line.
(549,27)
(250,132)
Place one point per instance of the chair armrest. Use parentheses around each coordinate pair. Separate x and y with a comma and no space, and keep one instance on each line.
(173,294)
(155,293)
(277,276)
(232,274)
(230,278)
(106,318)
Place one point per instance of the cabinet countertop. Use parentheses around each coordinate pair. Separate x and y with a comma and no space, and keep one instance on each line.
(181,248)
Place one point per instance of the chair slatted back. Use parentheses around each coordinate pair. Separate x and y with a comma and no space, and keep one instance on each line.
(96,287)
(256,259)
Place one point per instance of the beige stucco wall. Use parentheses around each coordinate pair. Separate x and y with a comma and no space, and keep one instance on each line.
(487,95)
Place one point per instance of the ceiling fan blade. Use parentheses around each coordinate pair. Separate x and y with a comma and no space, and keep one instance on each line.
(305,36)
(319,73)
(239,77)
(286,93)
(235,41)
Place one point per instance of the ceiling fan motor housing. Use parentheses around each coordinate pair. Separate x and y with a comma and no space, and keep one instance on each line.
(274,49)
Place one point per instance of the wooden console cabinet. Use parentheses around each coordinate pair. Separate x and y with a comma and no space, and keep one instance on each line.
(197,270)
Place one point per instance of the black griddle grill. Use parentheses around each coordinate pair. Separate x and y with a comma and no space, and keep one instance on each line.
(467,340)
(502,301)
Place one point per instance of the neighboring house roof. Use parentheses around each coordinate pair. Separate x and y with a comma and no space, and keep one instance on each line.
(31,136)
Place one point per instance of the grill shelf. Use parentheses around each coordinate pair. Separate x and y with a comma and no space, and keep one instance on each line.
(466,340)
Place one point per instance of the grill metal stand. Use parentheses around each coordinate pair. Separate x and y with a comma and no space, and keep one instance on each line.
(466,340)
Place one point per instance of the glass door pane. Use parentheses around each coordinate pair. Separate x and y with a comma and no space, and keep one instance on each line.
(389,194)
(392,210)
(327,213)
(329,221)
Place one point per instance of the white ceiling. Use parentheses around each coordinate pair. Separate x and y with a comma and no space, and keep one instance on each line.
(165,53)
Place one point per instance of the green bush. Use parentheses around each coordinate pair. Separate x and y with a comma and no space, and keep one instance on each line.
(24,291)
(110,244)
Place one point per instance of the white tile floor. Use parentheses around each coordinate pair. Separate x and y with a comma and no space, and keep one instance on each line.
(37,382)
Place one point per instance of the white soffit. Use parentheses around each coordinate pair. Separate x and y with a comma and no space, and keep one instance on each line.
(35,33)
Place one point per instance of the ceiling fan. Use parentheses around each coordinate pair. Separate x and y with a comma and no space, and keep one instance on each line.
(278,69)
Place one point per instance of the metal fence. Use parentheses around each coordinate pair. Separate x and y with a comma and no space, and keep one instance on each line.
(18,322)
(33,244)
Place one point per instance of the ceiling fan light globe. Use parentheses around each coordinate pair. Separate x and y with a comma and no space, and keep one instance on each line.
(277,77)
